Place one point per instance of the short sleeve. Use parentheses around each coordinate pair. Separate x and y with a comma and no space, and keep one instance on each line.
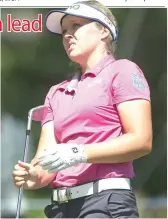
(129,83)
(48,115)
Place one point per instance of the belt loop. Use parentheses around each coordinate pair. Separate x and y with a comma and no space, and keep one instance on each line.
(95,187)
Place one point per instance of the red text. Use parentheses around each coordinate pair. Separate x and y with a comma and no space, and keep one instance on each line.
(24,25)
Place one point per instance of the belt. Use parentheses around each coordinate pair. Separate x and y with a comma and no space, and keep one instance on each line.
(64,194)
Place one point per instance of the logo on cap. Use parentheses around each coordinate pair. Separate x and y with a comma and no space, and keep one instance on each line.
(75,7)
(108,21)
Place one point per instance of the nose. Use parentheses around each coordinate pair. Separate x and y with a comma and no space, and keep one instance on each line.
(69,33)
(68,36)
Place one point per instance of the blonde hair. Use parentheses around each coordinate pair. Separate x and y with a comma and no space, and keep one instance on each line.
(111,44)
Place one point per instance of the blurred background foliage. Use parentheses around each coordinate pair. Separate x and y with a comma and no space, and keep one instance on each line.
(32,62)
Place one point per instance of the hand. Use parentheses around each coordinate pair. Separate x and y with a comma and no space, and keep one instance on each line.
(62,157)
(25,175)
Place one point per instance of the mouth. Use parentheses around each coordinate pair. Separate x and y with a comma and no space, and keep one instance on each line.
(71,46)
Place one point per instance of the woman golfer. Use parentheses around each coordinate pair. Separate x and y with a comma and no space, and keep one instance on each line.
(97,123)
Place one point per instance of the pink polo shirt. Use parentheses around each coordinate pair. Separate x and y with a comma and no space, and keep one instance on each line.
(90,115)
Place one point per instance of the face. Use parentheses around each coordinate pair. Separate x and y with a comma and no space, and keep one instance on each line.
(81,36)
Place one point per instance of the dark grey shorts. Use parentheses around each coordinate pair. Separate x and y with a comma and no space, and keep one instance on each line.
(106,204)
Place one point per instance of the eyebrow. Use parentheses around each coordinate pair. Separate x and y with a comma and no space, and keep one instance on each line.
(78,20)
(72,18)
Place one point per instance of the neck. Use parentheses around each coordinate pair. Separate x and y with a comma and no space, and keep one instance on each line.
(89,61)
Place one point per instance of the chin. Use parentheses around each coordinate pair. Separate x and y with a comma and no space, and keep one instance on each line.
(75,57)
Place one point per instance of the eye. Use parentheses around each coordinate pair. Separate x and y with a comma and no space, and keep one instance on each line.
(64,32)
(76,25)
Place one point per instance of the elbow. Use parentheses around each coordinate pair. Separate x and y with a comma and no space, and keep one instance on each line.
(147,146)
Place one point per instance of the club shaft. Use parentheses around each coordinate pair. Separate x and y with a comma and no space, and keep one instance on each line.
(20,195)
(26,145)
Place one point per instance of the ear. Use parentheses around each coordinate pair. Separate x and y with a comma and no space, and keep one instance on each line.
(104,33)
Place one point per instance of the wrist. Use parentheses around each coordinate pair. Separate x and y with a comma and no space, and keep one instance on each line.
(82,153)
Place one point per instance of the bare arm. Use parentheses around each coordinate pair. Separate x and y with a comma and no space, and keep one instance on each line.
(47,138)
(136,141)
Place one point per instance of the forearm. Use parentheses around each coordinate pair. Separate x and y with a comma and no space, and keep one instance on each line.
(122,149)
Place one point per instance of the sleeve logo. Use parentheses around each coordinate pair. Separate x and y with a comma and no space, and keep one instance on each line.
(138,81)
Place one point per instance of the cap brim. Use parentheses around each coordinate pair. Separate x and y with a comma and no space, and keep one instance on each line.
(53,21)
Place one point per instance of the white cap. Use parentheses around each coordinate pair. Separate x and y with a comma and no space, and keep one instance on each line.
(53,19)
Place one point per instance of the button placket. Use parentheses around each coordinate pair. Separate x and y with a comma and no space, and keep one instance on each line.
(77,90)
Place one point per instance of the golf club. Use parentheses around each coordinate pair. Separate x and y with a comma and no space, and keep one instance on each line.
(35,114)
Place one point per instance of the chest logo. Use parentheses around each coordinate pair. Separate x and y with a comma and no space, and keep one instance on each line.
(95,82)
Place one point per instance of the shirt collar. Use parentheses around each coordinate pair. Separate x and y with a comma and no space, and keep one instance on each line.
(96,69)
(71,86)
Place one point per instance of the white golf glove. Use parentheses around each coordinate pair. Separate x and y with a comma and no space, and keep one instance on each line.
(62,157)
